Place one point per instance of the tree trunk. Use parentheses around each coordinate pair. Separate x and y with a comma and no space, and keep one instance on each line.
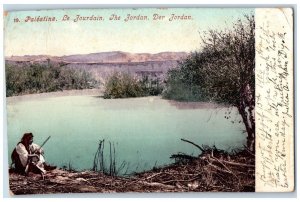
(246,109)
(250,128)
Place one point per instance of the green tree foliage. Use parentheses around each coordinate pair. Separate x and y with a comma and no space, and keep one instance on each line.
(223,71)
(38,78)
(122,85)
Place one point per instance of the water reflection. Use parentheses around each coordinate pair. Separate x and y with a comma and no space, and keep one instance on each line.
(195,105)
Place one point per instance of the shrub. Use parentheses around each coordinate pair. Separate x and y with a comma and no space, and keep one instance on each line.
(38,78)
(122,85)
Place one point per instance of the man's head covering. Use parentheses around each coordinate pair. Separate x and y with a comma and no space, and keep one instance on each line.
(26,136)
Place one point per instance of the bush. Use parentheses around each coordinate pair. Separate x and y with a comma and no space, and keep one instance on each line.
(38,78)
(122,85)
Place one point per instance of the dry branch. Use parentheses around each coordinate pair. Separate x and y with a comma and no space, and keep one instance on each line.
(156,184)
(184,140)
(238,164)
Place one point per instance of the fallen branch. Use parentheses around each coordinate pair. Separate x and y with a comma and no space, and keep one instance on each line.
(187,180)
(156,184)
(238,164)
(230,171)
(219,169)
(184,140)
(151,176)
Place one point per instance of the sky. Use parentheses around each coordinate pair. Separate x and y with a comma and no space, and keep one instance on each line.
(137,36)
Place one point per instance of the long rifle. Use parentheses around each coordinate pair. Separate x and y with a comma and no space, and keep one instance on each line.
(29,160)
(45,141)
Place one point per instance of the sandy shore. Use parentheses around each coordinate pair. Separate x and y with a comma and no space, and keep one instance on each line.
(88,92)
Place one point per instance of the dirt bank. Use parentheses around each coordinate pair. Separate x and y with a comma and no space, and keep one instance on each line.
(213,171)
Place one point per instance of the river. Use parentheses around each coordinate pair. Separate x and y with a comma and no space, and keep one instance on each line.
(145,131)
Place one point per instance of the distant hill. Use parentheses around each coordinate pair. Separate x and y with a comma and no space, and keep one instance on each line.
(102,57)
(102,65)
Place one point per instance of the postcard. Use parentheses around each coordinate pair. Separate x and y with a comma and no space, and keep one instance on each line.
(149,100)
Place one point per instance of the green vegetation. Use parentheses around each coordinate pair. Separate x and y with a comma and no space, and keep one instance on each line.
(38,78)
(222,71)
(122,85)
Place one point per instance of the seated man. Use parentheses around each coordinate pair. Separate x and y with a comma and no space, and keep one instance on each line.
(27,156)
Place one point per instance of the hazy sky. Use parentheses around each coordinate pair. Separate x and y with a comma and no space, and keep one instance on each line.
(69,37)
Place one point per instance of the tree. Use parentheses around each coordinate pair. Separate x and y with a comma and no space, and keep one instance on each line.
(223,71)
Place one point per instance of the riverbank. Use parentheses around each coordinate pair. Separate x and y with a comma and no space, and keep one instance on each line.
(99,92)
(86,92)
(212,171)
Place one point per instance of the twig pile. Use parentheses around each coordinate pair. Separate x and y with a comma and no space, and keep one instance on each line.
(214,171)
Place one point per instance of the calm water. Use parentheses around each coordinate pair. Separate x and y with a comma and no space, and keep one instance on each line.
(146,131)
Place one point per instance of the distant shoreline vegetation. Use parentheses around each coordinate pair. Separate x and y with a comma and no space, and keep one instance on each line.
(37,78)
(123,85)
